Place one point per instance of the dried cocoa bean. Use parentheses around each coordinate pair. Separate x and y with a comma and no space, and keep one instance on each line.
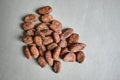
(42,26)
(80,56)
(56,53)
(70,57)
(38,40)
(63,52)
(42,62)
(51,46)
(27,52)
(31,18)
(66,33)
(47,40)
(34,51)
(56,37)
(46,18)
(55,28)
(56,66)
(77,47)
(57,23)
(62,43)
(27,39)
(45,10)
(28,25)
(48,57)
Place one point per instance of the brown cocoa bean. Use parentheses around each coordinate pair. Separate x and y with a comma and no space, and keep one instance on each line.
(56,66)
(56,37)
(51,46)
(42,26)
(77,47)
(62,43)
(30,32)
(47,40)
(27,39)
(57,23)
(55,28)
(70,57)
(46,32)
(48,57)
(41,50)
(31,18)
(42,62)
(56,53)
(80,56)
(66,33)
(46,18)
(38,40)
(73,38)
(34,52)
(45,10)
(28,25)
(27,52)
(63,52)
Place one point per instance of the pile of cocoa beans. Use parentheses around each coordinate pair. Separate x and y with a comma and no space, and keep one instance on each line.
(46,42)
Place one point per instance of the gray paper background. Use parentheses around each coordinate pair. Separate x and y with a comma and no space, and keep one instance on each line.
(96,21)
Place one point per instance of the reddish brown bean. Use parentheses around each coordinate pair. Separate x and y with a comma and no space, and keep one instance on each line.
(34,51)
(77,47)
(80,56)
(63,52)
(57,23)
(46,32)
(45,10)
(27,39)
(42,62)
(46,18)
(73,38)
(30,32)
(42,26)
(62,43)
(55,28)
(51,46)
(27,52)
(70,57)
(56,37)
(48,57)
(31,18)
(56,66)
(66,33)
(56,53)
(28,25)
(47,40)
(38,40)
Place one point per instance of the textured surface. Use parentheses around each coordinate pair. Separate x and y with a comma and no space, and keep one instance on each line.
(97,22)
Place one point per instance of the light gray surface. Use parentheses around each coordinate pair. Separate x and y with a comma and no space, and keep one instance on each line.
(97,22)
